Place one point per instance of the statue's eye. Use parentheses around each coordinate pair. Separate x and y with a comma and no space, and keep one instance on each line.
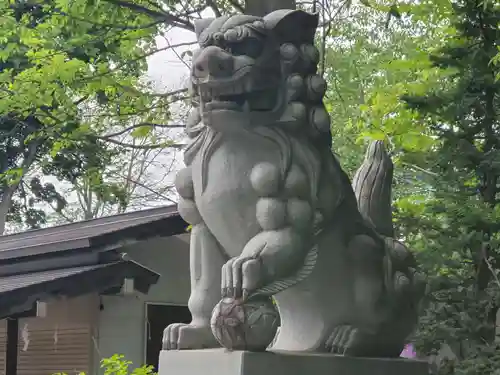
(251,47)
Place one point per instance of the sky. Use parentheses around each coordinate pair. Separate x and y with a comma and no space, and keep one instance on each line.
(165,68)
(168,72)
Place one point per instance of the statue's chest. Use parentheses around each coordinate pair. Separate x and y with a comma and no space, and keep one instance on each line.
(223,192)
(223,172)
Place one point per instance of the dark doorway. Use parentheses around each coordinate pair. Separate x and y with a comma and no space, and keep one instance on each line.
(158,317)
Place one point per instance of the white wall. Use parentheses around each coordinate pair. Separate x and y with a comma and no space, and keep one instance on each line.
(121,326)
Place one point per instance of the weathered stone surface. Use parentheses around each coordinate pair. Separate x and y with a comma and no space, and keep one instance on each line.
(220,362)
(272,212)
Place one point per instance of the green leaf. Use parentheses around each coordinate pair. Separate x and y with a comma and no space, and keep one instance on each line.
(141,132)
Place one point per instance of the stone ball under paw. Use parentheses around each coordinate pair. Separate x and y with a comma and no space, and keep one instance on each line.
(245,325)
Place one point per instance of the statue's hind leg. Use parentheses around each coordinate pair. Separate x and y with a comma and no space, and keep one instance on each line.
(206,261)
(387,297)
(354,336)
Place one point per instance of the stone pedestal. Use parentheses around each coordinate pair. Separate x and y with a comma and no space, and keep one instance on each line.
(222,362)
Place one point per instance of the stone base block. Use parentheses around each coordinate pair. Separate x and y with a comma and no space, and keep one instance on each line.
(222,362)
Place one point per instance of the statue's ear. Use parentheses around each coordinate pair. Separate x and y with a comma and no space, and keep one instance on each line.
(292,26)
(200,25)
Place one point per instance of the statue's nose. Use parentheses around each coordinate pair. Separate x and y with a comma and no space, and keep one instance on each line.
(213,61)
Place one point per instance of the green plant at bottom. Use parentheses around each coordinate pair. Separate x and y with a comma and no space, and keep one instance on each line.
(118,365)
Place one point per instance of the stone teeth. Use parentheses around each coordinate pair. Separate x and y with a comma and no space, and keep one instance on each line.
(236,88)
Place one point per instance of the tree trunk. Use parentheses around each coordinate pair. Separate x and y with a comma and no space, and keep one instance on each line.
(5,204)
(262,7)
(9,191)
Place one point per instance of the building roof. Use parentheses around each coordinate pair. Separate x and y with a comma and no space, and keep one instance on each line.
(79,258)
(19,292)
(96,233)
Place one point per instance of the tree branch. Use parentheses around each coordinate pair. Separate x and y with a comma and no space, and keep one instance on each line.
(172,47)
(237,6)
(142,124)
(171,93)
(81,100)
(143,56)
(167,17)
(109,25)
(60,213)
(169,144)
(420,169)
(148,189)
(214,7)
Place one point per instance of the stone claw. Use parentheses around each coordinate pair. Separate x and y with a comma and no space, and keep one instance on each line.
(350,341)
(240,276)
(179,336)
(341,339)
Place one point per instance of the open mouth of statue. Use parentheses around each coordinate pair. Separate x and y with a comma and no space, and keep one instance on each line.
(254,101)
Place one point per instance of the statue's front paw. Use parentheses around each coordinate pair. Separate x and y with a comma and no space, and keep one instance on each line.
(240,276)
(180,336)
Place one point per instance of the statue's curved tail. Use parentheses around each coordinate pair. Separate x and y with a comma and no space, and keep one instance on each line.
(372,185)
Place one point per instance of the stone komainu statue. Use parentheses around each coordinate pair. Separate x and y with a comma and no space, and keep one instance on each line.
(273,213)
